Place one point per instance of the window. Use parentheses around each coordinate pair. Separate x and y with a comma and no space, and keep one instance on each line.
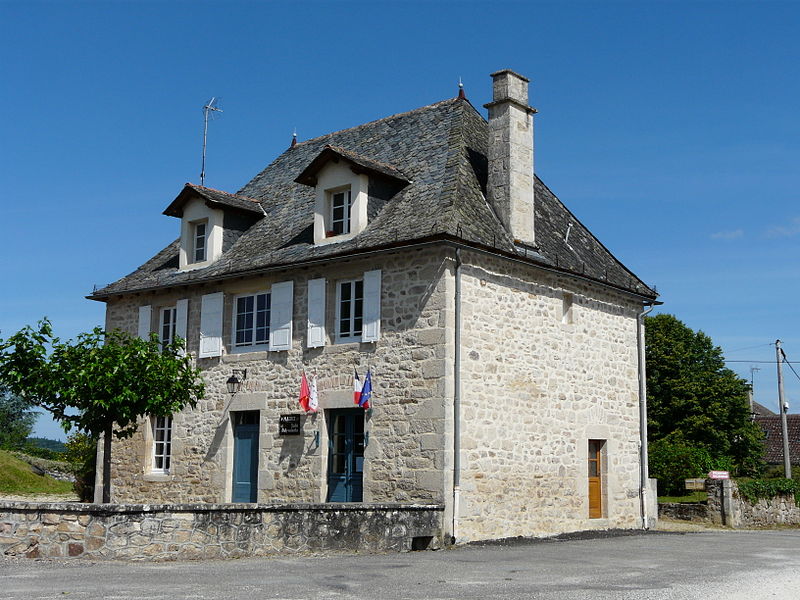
(162,444)
(566,309)
(339,215)
(349,310)
(169,321)
(199,239)
(251,320)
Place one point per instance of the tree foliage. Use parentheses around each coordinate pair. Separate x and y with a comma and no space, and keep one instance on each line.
(101,383)
(16,420)
(694,400)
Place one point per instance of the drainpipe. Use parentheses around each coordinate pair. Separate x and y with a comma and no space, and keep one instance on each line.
(457,400)
(643,469)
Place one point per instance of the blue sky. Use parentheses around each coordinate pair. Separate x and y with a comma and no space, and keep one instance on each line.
(669,129)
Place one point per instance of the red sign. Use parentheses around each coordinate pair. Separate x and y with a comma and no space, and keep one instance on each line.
(719,475)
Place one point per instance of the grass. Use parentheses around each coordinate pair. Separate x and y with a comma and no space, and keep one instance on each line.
(17,477)
(696,496)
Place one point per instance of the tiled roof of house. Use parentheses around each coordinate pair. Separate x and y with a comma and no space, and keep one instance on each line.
(774,437)
(441,150)
(762,411)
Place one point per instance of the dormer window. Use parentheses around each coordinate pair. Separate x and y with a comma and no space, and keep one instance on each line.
(199,241)
(339,214)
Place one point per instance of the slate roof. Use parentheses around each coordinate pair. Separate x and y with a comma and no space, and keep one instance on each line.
(367,165)
(441,150)
(773,442)
(762,411)
(214,198)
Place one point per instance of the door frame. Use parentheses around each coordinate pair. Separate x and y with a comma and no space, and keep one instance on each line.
(330,415)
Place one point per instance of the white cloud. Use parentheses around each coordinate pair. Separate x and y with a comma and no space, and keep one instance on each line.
(727,235)
(793,228)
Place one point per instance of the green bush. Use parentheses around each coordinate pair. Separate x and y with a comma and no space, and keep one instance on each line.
(754,490)
(673,461)
(81,454)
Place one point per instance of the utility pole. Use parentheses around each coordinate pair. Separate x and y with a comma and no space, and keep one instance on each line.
(787,463)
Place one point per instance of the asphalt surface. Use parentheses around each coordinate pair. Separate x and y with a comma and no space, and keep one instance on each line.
(716,564)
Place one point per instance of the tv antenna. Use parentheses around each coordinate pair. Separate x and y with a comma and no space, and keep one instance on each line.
(208,108)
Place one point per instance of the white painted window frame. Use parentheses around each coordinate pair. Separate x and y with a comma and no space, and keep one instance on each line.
(253,346)
(162,449)
(196,237)
(340,339)
(172,311)
(347,208)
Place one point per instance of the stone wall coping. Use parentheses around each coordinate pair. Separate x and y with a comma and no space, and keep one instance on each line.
(104,509)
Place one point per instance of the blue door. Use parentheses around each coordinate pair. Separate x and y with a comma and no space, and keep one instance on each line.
(345,455)
(245,457)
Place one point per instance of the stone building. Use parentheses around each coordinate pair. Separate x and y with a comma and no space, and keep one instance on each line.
(502,338)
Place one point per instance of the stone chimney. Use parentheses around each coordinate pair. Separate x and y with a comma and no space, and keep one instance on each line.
(510,183)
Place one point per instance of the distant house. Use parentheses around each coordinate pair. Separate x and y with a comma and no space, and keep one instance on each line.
(773,435)
(502,338)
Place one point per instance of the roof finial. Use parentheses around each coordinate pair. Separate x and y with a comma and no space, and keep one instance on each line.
(461,93)
(294,138)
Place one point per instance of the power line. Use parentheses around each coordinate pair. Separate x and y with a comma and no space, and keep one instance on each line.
(750,347)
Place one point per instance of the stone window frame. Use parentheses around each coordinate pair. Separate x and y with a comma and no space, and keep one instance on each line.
(252,346)
(567,308)
(350,337)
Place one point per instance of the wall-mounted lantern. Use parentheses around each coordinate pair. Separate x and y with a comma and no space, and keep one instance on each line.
(234,382)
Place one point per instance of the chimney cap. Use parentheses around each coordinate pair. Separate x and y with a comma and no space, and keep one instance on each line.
(511,72)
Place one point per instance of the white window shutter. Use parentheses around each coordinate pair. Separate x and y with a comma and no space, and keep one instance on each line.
(211,325)
(181,319)
(316,313)
(280,322)
(372,306)
(145,313)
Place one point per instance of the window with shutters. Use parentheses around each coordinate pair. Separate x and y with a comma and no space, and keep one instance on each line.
(168,324)
(251,321)
(162,444)
(349,310)
(338,217)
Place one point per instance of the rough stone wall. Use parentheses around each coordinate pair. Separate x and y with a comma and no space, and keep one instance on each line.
(180,532)
(726,506)
(535,390)
(405,458)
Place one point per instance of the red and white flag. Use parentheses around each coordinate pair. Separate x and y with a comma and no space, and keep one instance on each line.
(357,385)
(313,399)
(305,393)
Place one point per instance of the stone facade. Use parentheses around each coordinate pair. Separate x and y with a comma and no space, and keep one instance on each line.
(181,532)
(547,364)
(405,457)
(538,384)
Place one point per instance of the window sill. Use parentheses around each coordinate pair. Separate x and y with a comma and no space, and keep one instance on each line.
(156,477)
(335,239)
(243,355)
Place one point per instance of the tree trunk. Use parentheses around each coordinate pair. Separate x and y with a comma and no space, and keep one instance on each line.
(107,465)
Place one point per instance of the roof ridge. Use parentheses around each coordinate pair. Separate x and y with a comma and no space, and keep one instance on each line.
(205,187)
(396,115)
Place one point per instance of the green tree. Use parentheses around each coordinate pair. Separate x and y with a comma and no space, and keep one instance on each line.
(694,400)
(101,383)
(16,420)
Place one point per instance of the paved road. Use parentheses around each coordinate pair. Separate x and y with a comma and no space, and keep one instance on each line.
(720,564)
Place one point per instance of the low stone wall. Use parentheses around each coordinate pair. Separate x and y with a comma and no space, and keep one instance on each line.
(725,506)
(683,511)
(180,531)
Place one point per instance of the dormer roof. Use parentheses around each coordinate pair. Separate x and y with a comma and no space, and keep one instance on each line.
(358,164)
(214,199)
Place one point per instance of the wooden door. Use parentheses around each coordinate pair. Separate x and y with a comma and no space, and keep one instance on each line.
(595,479)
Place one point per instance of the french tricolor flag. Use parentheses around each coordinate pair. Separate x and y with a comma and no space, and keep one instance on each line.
(357,386)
